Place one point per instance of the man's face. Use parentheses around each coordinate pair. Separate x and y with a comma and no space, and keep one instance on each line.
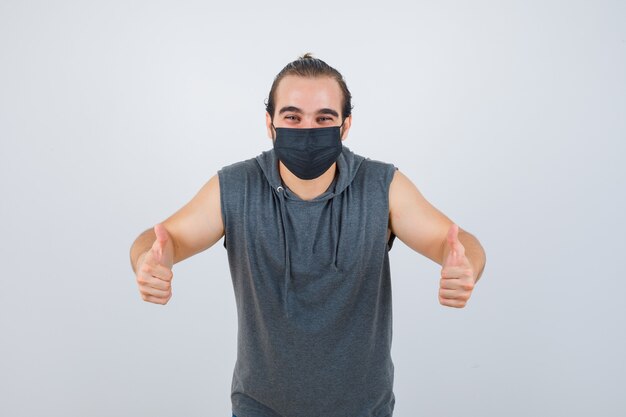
(307,103)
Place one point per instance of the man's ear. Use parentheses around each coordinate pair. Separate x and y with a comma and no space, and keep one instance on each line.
(268,124)
(346,127)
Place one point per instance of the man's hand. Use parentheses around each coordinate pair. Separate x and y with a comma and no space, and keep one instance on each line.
(457,274)
(154,268)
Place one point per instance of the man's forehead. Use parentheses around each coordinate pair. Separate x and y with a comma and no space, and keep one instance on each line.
(309,93)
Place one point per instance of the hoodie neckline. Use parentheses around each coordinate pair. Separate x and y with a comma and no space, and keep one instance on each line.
(347,166)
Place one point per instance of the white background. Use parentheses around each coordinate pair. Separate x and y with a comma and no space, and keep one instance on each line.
(510,117)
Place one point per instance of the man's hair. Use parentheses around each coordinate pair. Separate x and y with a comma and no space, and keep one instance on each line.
(309,67)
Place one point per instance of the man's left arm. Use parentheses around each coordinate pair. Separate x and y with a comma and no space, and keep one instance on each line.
(431,233)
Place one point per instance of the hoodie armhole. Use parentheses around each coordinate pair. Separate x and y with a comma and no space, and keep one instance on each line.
(222,182)
(391,172)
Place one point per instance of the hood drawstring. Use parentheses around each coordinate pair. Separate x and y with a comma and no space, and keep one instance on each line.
(281,196)
(347,164)
(335,229)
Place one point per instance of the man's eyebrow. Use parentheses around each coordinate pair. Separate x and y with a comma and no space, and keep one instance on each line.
(289,109)
(295,109)
(328,111)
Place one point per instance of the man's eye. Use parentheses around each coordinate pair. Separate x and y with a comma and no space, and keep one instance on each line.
(325,119)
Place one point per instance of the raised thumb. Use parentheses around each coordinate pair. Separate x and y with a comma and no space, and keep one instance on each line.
(456,248)
(161,233)
(161,239)
(453,235)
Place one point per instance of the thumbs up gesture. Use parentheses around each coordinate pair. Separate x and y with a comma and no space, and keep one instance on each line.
(457,274)
(154,268)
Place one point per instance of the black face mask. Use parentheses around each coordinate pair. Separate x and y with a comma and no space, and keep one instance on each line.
(308,153)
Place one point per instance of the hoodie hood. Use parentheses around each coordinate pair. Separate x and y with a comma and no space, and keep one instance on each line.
(347,166)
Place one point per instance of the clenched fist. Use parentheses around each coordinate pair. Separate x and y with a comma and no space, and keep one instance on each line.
(457,274)
(154,268)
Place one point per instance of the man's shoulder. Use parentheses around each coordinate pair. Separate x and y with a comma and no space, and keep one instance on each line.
(240,164)
(247,166)
(377,163)
(374,172)
(371,166)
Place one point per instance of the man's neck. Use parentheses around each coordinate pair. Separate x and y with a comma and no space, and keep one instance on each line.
(307,189)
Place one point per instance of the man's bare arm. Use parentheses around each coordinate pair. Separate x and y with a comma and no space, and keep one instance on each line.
(194,228)
(414,220)
(423,228)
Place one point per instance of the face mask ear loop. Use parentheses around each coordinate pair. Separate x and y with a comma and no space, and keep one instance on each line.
(340,128)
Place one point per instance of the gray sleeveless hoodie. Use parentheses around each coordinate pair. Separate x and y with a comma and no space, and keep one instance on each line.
(312,289)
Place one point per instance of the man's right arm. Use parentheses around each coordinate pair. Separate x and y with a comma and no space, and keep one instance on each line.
(192,229)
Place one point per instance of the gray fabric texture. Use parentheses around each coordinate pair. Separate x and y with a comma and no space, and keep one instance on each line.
(313,290)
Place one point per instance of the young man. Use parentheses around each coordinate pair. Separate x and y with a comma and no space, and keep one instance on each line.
(308,226)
